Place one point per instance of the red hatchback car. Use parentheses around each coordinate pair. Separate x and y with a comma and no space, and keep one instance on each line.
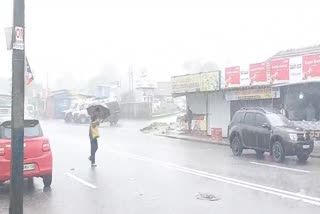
(37,152)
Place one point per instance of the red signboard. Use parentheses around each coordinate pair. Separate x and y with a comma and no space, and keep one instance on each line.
(258,73)
(311,67)
(279,70)
(232,76)
(216,134)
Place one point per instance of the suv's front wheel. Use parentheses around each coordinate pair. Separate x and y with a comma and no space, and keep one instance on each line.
(236,146)
(278,152)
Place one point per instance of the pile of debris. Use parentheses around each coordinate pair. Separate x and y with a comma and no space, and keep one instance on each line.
(161,128)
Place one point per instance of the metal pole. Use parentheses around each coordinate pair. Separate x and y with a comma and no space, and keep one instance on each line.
(17,109)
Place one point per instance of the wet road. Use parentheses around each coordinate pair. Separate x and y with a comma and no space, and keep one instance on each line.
(141,173)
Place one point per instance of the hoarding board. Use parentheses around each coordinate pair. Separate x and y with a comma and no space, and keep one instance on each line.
(279,71)
(258,74)
(200,82)
(232,76)
(311,67)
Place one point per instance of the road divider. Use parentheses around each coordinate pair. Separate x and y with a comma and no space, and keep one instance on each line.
(248,185)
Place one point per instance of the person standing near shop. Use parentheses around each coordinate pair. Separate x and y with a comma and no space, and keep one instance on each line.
(94,135)
(189,118)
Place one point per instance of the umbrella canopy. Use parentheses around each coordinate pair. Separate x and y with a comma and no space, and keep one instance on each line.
(103,111)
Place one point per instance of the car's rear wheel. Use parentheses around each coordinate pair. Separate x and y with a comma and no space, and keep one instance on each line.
(278,152)
(303,157)
(47,180)
(260,154)
(236,146)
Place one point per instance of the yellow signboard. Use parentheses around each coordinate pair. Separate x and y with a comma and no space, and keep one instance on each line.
(201,82)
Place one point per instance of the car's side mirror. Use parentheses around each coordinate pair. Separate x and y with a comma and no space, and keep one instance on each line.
(266,125)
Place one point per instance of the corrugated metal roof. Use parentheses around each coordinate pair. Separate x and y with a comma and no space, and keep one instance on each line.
(296,52)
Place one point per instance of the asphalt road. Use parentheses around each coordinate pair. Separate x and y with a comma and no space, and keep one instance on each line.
(142,173)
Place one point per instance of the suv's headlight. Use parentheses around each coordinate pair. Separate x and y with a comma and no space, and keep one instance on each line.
(293,136)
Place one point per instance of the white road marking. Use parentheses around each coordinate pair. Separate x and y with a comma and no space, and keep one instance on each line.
(81,180)
(248,185)
(280,167)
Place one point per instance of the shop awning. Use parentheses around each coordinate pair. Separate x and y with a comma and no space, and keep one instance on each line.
(295,83)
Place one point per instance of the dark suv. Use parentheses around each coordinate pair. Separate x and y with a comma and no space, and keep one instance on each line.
(268,131)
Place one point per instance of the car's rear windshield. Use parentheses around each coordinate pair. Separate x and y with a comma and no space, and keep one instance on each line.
(32,128)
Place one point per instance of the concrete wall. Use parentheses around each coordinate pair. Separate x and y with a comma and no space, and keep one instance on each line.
(136,110)
(219,113)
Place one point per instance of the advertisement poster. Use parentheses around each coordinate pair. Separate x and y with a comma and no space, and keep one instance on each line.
(232,76)
(201,82)
(258,74)
(295,72)
(311,67)
(209,81)
(279,71)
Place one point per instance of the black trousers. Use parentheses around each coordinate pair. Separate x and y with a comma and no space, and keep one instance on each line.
(94,148)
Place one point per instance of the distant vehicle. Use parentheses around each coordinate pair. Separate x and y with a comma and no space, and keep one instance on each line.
(81,115)
(37,152)
(73,114)
(114,108)
(68,114)
(267,131)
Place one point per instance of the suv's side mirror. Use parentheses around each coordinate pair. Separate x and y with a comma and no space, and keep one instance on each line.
(266,125)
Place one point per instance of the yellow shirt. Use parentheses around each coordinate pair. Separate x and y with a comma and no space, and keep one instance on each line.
(94,130)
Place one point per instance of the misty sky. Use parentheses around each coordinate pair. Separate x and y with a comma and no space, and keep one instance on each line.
(82,36)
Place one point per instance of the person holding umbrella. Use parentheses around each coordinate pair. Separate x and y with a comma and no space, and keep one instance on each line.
(94,135)
(98,113)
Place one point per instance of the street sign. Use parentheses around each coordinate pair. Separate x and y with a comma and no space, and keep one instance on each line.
(18,38)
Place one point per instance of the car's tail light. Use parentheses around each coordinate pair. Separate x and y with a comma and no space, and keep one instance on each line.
(46,146)
(1,151)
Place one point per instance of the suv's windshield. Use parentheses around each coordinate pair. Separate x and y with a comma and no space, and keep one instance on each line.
(278,120)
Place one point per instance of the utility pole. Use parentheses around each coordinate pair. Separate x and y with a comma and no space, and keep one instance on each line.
(17,109)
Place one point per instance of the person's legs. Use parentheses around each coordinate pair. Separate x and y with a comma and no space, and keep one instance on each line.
(94,148)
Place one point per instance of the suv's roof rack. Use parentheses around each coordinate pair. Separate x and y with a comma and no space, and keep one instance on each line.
(254,108)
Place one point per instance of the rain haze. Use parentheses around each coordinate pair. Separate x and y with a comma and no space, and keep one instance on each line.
(171,106)
(82,37)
